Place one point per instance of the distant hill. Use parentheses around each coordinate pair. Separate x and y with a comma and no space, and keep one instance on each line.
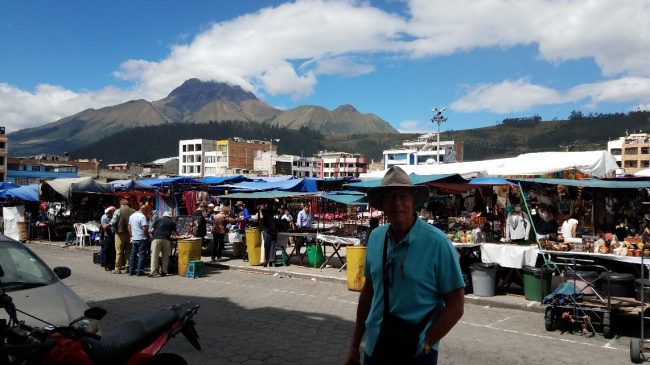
(145,144)
(194,101)
(509,138)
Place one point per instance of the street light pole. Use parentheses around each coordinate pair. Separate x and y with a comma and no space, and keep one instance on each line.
(438,118)
(271,153)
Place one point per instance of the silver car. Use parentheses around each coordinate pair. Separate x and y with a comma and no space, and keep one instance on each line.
(36,289)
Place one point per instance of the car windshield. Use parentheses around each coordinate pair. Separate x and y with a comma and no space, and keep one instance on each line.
(22,268)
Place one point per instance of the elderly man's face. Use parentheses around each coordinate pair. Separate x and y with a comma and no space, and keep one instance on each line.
(397,203)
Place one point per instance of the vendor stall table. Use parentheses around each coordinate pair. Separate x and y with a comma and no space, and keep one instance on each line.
(283,240)
(337,243)
(628,259)
(509,255)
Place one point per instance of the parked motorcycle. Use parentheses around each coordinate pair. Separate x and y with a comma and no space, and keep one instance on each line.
(137,341)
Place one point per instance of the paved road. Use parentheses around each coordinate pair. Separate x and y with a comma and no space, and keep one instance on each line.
(248,318)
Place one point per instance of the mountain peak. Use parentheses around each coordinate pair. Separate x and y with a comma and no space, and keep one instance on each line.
(346,108)
(195,91)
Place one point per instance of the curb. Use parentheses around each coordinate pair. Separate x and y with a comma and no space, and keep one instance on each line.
(484,301)
(263,270)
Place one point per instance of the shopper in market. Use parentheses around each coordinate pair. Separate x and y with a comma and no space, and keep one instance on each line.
(120,223)
(108,241)
(221,221)
(517,226)
(164,229)
(199,217)
(269,233)
(139,231)
(414,290)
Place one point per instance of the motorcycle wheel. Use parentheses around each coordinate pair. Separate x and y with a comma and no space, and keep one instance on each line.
(167,359)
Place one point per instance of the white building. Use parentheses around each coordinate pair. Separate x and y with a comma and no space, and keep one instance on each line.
(424,151)
(305,166)
(191,156)
(342,164)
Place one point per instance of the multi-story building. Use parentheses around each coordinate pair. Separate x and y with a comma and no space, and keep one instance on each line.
(341,164)
(632,152)
(203,157)
(31,170)
(424,151)
(191,156)
(3,154)
(305,166)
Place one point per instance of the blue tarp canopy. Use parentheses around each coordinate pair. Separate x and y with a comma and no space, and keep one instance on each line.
(130,185)
(296,185)
(170,181)
(347,197)
(265,195)
(7,185)
(415,179)
(221,180)
(490,180)
(591,183)
(27,193)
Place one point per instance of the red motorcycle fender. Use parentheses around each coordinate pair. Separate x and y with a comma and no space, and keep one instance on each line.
(143,356)
(68,351)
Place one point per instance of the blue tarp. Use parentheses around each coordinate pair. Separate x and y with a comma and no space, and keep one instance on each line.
(490,180)
(129,185)
(170,181)
(415,179)
(27,193)
(264,195)
(7,185)
(347,197)
(304,185)
(591,183)
(221,180)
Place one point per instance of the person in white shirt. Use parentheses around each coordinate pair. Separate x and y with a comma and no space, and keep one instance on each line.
(569,228)
(517,226)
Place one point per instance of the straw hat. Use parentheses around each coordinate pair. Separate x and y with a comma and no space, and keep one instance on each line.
(109,209)
(395,177)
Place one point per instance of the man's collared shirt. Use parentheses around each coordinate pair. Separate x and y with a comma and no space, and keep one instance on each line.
(423,267)
(138,220)
(304,220)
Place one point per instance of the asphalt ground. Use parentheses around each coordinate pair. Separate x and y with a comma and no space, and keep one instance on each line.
(261,317)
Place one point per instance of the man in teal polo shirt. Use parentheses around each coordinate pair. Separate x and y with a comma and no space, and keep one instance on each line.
(421,269)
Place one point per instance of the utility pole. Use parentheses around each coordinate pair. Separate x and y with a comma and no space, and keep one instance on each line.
(438,119)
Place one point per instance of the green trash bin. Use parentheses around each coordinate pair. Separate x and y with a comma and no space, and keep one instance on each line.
(315,255)
(537,282)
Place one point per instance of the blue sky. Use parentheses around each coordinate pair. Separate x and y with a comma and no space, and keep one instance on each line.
(485,60)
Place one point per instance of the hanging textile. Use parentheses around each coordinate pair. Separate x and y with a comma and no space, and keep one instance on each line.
(190,201)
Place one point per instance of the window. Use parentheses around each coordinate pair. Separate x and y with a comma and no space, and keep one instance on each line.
(3,145)
(184,148)
(645,164)
(631,150)
(190,148)
(184,158)
(644,150)
(198,147)
(631,164)
(185,169)
(198,158)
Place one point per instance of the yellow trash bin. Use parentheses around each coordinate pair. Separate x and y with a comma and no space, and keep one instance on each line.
(254,245)
(188,250)
(356,260)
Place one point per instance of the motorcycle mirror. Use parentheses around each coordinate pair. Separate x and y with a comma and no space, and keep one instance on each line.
(62,272)
(95,313)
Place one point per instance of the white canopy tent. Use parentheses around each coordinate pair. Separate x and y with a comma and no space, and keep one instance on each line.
(595,163)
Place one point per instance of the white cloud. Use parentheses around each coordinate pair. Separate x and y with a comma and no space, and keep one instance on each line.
(21,109)
(414,126)
(505,97)
(521,95)
(284,49)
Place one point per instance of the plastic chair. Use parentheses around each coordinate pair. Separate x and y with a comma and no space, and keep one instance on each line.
(195,269)
(81,232)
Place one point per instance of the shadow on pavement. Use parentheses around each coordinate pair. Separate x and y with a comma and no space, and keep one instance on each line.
(232,334)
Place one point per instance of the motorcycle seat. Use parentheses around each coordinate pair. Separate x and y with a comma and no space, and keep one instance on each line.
(119,344)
